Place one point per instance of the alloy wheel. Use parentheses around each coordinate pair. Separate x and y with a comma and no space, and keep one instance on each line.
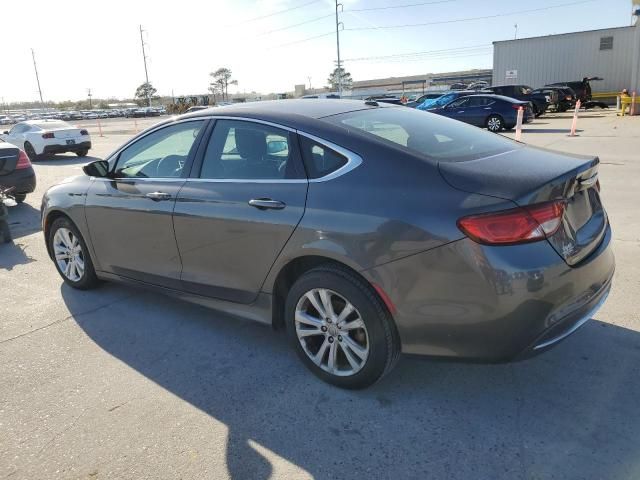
(68,254)
(494,124)
(332,332)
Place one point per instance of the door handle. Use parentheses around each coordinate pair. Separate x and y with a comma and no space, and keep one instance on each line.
(157,196)
(267,204)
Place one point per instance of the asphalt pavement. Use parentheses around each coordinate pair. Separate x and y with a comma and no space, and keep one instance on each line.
(119,382)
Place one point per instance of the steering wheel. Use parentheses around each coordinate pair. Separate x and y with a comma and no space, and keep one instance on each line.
(170,166)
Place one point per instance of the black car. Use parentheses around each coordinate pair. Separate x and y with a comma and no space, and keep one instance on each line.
(524,93)
(16,171)
(581,88)
(561,99)
(493,112)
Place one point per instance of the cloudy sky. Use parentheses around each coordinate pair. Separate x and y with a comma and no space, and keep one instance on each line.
(270,45)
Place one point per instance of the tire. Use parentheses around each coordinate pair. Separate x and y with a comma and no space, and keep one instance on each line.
(30,151)
(81,280)
(374,347)
(19,197)
(82,153)
(494,123)
(5,232)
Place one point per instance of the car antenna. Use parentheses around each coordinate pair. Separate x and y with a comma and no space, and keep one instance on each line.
(371,103)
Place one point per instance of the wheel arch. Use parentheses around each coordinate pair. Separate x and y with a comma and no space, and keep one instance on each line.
(298,266)
(52,216)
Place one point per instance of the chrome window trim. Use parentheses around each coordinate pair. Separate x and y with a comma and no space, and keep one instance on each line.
(353,159)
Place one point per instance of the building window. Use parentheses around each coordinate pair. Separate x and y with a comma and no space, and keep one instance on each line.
(606,43)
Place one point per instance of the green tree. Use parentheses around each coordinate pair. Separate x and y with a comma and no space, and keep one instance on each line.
(337,75)
(144,94)
(221,81)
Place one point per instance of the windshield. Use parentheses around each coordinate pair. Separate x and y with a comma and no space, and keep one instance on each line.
(443,100)
(427,134)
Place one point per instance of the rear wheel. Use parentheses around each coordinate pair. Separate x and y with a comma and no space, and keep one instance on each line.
(30,151)
(20,197)
(82,153)
(495,123)
(70,255)
(340,328)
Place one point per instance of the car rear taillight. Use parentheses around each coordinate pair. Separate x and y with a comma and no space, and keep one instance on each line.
(84,132)
(48,135)
(517,225)
(23,161)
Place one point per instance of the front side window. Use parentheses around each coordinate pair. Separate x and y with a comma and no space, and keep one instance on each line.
(161,154)
(480,101)
(461,102)
(433,136)
(247,150)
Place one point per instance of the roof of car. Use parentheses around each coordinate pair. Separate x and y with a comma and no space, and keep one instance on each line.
(311,108)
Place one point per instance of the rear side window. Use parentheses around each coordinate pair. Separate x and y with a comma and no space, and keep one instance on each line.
(320,160)
(427,134)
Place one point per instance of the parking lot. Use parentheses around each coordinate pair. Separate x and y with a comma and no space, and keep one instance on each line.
(120,382)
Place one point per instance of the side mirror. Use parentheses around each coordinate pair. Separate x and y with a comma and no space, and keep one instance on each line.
(99,168)
(6,132)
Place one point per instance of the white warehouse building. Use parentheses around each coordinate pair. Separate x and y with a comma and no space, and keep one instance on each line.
(612,54)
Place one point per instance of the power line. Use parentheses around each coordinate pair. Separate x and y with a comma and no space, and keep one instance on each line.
(304,39)
(294,25)
(399,6)
(277,13)
(532,10)
(422,53)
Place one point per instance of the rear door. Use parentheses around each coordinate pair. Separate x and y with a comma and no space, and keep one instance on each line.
(130,214)
(244,200)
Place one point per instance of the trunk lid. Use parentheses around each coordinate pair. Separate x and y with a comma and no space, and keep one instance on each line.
(66,133)
(528,176)
(8,159)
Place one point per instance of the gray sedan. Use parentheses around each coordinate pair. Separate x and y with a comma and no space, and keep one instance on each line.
(363,229)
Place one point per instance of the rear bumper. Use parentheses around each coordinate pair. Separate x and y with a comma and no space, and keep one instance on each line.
(475,302)
(77,147)
(23,180)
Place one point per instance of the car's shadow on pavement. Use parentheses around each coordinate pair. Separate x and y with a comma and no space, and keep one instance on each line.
(570,413)
(23,220)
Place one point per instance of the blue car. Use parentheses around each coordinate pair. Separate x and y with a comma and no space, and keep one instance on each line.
(494,112)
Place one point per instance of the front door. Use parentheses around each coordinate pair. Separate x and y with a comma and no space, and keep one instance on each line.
(130,214)
(233,219)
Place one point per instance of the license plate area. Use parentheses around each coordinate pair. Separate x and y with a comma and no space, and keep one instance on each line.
(71,142)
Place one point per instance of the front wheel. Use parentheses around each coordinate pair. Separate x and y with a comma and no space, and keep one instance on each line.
(71,256)
(340,329)
(19,197)
(495,123)
(82,153)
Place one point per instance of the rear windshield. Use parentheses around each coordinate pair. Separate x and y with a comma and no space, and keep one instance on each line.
(428,134)
(52,125)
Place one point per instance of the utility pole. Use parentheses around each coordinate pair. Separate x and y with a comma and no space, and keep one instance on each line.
(515,35)
(35,67)
(309,78)
(146,73)
(89,95)
(338,48)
